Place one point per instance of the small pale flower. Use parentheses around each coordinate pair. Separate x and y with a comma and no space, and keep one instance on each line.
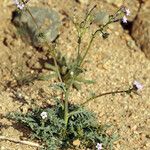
(44,115)
(124,19)
(71,73)
(127,12)
(99,146)
(138,86)
(19,4)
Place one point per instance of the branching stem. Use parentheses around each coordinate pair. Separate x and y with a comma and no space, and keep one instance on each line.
(100,95)
(107,93)
(91,41)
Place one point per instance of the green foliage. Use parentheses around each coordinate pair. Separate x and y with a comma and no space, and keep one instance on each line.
(66,68)
(64,123)
(52,132)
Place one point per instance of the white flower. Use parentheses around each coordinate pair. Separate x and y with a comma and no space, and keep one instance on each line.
(138,86)
(99,146)
(127,11)
(44,115)
(71,73)
(19,5)
(124,19)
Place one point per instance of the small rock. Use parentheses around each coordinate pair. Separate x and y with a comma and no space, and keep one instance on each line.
(29,54)
(101,18)
(115,2)
(134,128)
(37,65)
(2,148)
(84,1)
(76,142)
(141,29)
(45,25)
(131,44)
(148,144)
(24,109)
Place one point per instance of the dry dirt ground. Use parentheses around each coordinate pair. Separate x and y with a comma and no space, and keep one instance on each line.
(114,63)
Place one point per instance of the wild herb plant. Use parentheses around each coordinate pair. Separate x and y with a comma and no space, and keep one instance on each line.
(63,124)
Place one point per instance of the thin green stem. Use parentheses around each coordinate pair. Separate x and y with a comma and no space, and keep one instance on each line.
(79,45)
(91,41)
(66,107)
(33,18)
(80,31)
(89,46)
(107,93)
(100,95)
(89,13)
(59,76)
(57,67)
(66,113)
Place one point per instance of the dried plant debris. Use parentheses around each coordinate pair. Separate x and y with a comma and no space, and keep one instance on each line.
(45,25)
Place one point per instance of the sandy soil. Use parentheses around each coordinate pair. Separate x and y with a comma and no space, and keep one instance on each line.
(114,63)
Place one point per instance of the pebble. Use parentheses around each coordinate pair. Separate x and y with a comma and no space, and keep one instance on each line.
(76,142)
(84,1)
(24,109)
(141,31)
(118,3)
(2,148)
(37,65)
(28,54)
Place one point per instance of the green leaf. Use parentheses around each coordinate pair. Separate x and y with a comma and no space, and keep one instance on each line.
(49,66)
(85,81)
(77,86)
(59,86)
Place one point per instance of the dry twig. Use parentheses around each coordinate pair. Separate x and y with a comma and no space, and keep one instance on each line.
(20,141)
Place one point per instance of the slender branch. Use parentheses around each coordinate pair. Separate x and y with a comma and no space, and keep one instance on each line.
(66,107)
(79,44)
(89,13)
(66,96)
(33,18)
(21,142)
(92,38)
(66,113)
(80,29)
(89,45)
(99,95)
(107,93)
